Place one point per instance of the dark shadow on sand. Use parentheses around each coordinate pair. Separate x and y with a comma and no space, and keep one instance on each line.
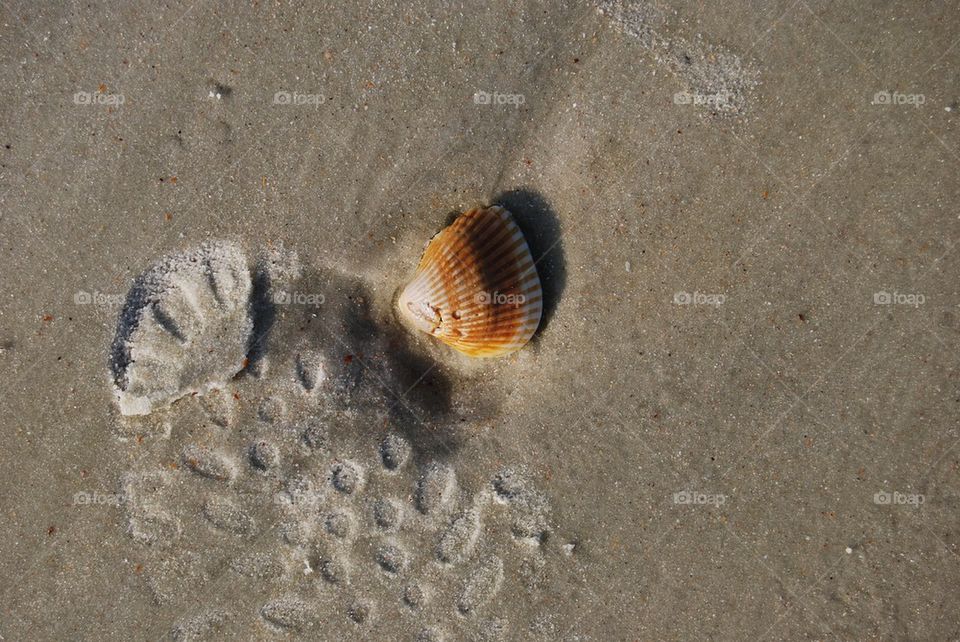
(264,312)
(376,366)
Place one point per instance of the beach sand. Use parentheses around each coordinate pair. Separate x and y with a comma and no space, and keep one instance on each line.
(739,416)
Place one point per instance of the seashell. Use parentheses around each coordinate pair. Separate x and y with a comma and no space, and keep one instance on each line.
(476,287)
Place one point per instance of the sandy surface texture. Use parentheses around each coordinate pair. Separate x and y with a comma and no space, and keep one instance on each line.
(738,418)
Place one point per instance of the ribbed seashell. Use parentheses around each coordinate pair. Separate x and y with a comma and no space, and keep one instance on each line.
(476,287)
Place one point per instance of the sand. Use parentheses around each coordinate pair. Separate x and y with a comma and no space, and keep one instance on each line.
(738,419)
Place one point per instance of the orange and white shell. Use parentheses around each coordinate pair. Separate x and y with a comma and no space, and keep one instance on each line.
(476,287)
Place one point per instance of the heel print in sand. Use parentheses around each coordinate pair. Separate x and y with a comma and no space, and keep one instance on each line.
(184,327)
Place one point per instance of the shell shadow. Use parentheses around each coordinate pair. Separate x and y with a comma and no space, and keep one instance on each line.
(541,227)
(374,371)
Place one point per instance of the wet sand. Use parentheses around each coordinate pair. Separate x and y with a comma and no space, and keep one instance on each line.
(737,420)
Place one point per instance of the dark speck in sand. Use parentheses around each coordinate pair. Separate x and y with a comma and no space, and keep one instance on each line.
(221,90)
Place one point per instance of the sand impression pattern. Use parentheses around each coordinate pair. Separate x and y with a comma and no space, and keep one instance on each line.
(284,499)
